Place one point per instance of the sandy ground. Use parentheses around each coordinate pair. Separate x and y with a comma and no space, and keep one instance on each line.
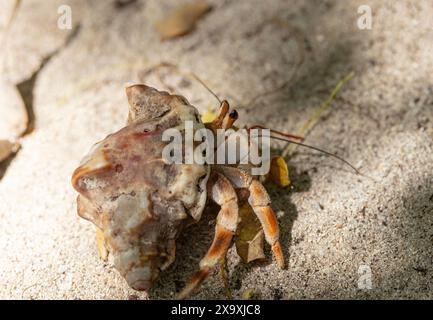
(335,226)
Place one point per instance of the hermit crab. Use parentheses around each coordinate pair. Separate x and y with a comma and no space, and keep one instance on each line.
(140,203)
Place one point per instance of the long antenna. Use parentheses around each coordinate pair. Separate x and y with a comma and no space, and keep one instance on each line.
(317,149)
(205,85)
(287,135)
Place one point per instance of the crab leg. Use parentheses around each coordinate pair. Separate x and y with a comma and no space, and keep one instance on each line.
(224,108)
(260,202)
(222,192)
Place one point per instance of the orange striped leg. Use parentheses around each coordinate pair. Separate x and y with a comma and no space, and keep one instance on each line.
(224,108)
(260,202)
(222,192)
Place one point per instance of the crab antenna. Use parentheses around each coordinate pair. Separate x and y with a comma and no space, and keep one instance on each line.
(287,135)
(205,86)
(317,149)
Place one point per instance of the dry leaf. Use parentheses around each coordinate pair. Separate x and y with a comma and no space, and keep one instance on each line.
(249,241)
(182,20)
(14,118)
(279,173)
(6,148)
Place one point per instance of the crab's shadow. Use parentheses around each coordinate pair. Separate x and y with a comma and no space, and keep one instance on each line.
(194,242)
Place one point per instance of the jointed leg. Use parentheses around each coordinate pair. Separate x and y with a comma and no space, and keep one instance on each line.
(222,192)
(224,108)
(260,202)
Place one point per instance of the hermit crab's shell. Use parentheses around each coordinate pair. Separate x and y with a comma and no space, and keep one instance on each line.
(129,190)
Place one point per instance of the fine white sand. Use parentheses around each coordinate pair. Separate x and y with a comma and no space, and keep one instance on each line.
(335,226)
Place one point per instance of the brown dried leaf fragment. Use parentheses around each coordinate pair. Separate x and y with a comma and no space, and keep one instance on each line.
(249,241)
(182,20)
